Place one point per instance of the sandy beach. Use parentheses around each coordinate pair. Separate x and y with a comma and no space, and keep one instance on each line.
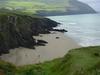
(58,45)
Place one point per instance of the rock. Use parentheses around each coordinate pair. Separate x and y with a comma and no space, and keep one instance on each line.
(40,44)
(18,30)
(60,30)
(57,37)
(41,41)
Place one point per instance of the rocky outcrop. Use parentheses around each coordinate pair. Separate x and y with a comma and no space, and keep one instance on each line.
(60,30)
(18,30)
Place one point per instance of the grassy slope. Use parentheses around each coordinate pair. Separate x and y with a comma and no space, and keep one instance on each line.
(83,61)
(34,5)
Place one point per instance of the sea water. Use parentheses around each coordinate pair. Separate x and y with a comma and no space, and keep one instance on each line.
(84,28)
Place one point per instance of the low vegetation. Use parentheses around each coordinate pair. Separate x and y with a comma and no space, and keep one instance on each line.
(82,61)
(32,6)
(46,7)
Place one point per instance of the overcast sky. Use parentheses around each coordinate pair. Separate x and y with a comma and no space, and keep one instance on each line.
(93,3)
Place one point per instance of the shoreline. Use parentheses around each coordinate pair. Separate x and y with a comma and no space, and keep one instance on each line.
(58,45)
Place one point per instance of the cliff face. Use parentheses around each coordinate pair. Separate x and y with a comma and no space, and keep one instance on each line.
(18,30)
(95,4)
(77,7)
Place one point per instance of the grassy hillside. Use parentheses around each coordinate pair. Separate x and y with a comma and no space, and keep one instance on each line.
(31,6)
(47,7)
(82,61)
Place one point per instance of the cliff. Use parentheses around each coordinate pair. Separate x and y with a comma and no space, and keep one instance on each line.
(77,7)
(18,30)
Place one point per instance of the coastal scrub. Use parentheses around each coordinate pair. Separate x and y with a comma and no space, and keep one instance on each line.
(81,61)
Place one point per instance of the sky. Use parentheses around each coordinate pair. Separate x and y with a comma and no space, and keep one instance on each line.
(95,4)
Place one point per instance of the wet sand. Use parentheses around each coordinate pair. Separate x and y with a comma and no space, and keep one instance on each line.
(58,45)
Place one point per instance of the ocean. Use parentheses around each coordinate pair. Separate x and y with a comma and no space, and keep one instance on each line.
(84,28)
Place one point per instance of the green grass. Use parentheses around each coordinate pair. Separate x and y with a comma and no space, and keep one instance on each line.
(31,7)
(82,61)
(7,68)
